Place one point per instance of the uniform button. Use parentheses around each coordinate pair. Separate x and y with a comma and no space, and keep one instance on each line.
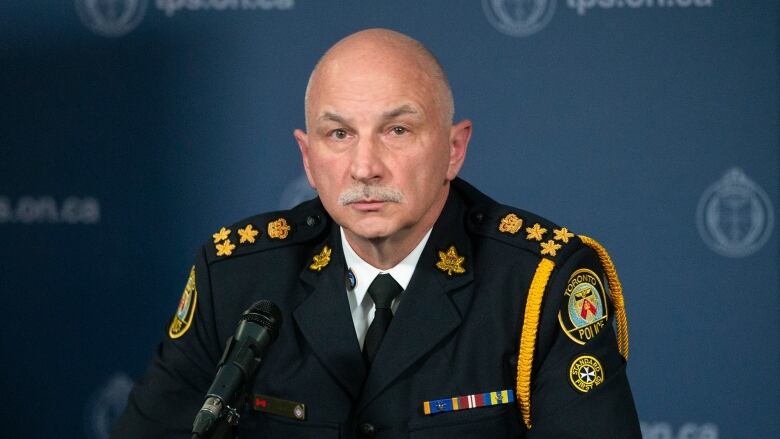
(366,430)
(479,217)
(311,221)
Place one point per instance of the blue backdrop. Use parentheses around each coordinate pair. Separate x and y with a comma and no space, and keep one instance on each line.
(131,130)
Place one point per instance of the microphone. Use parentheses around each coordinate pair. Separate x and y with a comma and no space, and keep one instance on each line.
(257,328)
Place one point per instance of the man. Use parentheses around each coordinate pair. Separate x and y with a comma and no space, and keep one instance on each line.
(413,305)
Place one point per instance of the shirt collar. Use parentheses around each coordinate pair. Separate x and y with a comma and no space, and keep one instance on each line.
(365,272)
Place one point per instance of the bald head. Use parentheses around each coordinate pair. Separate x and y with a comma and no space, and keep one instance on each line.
(381,50)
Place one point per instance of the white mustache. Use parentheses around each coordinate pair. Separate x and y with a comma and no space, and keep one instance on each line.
(373,192)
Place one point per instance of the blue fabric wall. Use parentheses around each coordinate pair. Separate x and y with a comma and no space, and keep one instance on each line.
(131,130)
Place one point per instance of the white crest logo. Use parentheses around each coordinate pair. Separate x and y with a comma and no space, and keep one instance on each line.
(735,216)
(519,18)
(106,404)
(111,18)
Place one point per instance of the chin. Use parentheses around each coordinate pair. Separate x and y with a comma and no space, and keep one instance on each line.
(374,230)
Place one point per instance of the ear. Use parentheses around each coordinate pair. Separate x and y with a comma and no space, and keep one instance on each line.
(460,134)
(303,145)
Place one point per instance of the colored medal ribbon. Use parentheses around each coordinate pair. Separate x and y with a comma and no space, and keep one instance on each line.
(468,402)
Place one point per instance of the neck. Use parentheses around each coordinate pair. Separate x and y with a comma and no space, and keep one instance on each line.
(386,252)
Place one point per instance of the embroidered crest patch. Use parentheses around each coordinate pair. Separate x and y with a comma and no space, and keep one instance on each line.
(585,373)
(583,313)
(278,229)
(186,310)
(511,224)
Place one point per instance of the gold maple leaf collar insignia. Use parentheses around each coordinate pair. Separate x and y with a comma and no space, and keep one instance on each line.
(321,260)
(248,234)
(451,262)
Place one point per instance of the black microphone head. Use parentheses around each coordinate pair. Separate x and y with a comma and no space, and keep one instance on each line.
(265,313)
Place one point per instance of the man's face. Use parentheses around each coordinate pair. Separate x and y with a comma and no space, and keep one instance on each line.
(378,149)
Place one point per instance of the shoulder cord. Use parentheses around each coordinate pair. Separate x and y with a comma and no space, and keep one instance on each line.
(531,321)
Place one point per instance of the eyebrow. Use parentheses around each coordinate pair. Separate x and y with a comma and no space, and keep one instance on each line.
(335,117)
(387,115)
(403,109)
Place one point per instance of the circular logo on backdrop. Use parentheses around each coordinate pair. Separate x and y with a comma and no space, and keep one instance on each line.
(735,216)
(583,313)
(111,18)
(105,406)
(519,18)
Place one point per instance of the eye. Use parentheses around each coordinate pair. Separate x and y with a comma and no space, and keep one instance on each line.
(399,131)
(339,134)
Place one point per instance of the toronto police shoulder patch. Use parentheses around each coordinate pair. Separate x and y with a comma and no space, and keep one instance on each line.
(186,311)
(583,312)
(585,373)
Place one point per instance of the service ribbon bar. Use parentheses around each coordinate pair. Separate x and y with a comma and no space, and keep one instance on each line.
(468,402)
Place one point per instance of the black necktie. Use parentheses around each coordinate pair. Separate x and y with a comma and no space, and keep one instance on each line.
(382,290)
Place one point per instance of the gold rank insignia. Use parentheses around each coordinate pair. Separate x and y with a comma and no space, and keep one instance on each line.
(278,229)
(563,234)
(186,310)
(226,248)
(510,224)
(585,373)
(221,235)
(536,232)
(247,234)
(321,260)
(450,262)
(550,248)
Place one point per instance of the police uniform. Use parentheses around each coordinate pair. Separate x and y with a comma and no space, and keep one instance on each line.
(510,327)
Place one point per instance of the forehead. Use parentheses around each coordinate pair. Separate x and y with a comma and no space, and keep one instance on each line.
(375,82)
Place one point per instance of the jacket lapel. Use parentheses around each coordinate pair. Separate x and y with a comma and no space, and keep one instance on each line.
(427,314)
(325,321)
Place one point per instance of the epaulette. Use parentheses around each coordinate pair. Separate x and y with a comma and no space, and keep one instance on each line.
(524,230)
(303,223)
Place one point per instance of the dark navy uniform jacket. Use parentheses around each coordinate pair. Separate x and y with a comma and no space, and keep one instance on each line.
(457,331)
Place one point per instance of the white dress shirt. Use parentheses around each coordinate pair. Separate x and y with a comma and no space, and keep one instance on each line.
(361,305)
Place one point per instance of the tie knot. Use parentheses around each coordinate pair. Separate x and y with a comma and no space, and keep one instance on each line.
(383,290)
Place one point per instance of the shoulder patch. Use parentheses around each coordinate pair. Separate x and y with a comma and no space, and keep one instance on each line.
(585,373)
(185,313)
(584,311)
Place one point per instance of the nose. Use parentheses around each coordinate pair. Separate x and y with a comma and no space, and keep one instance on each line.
(368,160)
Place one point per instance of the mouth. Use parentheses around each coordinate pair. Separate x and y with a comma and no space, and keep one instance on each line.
(367,205)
